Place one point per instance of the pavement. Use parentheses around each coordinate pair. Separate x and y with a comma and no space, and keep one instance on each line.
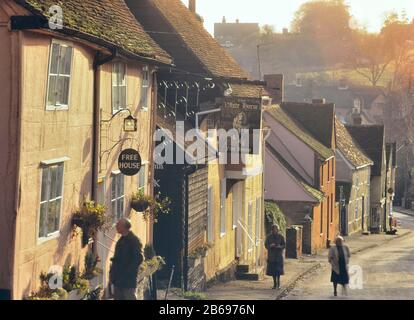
(298,270)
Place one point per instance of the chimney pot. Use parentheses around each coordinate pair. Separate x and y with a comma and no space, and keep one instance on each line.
(275,86)
(318,101)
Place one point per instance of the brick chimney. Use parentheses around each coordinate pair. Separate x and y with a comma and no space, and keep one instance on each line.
(275,86)
(192,6)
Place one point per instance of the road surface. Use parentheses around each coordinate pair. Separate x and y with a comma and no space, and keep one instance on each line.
(387,273)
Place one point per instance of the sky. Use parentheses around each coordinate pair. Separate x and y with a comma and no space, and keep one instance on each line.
(279,13)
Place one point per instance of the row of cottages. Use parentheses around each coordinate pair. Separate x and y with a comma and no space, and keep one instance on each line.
(300,169)
(371,139)
(59,89)
(353,182)
(365,164)
(217,218)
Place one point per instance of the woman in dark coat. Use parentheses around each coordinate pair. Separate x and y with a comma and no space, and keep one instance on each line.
(275,245)
(339,259)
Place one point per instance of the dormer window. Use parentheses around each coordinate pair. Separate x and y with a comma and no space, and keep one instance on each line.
(119,87)
(60,69)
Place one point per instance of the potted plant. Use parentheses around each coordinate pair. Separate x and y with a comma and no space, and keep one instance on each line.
(90,218)
(140,202)
(45,292)
(74,284)
(149,206)
(91,261)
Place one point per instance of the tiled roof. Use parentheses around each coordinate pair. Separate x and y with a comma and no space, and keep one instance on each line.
(332,94)
(391,150)
(248,90)
(371,138)
(284,119)
(315,193)
(318,119)
(349,147)
(215,59)
(108,21)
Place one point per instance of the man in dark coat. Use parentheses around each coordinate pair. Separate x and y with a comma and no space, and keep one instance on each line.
(275,244)
(125,263)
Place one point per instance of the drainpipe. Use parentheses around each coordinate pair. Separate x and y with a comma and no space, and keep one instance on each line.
(16,54)
(98,61)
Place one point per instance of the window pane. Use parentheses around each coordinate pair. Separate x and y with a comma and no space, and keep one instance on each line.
(115,99)
(121,207)
(122,74)
(142,177)
(52,216)
(121,185)
(65,61)
(45,183)
(59,183)
(123,98)
(54,59)
(115,74)
(113,188)
(63,90)
(43,221)
(53,180)
(52,94)
(114,210)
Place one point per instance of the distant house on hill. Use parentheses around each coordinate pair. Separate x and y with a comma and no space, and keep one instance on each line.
(368,103)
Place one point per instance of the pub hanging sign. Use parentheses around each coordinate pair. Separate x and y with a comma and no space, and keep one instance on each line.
(243,114)
(129,162)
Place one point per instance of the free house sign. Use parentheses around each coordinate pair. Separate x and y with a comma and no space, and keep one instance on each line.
(129,162)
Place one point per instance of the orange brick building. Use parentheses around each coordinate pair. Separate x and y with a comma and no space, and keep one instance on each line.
(304,137)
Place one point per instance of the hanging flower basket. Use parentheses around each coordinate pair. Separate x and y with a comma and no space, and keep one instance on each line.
(77,221)
(90,218)
(140,205)
(150,207)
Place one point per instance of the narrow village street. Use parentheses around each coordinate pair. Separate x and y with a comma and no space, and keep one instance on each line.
(388,272)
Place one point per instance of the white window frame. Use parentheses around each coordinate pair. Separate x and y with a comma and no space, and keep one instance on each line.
(118,86)
(210,214)
(145,85)
(223,224)
(50,107)
(54,234)
(118,198)
(143,171)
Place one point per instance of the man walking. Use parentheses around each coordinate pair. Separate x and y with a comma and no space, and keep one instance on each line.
(125,263)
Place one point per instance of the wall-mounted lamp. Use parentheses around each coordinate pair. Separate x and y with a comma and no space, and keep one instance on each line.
(130,123)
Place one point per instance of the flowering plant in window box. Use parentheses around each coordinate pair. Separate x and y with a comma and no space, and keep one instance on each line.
(150,207)
(90,218)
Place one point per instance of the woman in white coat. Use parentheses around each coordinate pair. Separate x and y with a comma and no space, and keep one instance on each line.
(339,256)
